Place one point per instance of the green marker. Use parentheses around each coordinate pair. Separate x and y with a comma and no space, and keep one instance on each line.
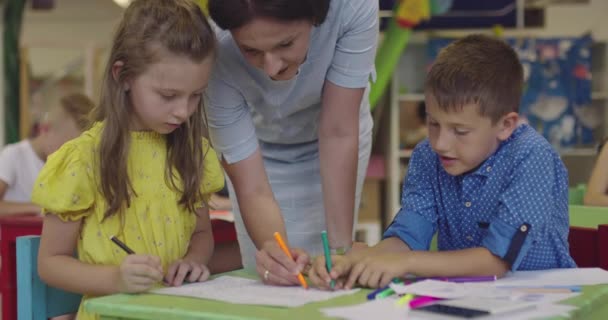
(385,293)
(327,255)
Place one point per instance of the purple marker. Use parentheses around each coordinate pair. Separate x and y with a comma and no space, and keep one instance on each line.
(463,279)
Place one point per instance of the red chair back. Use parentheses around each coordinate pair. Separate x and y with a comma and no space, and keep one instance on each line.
(589,246)
(12,227)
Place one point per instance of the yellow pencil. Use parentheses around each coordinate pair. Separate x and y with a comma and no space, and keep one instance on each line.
(277,236)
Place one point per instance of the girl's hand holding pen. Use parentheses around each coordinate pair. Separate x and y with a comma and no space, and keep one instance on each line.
(138,273)
(185,270)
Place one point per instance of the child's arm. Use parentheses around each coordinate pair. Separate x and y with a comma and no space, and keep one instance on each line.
(378,270)
(8,207)
(193,267)
(201,241)
(597,187)
(58,267)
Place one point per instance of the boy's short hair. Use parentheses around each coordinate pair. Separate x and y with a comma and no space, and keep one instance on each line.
(477,69)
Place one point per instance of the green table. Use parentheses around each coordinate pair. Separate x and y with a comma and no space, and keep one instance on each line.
(593,304)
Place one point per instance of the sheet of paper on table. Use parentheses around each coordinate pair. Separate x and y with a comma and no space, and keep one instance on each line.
(555,277)
(385,309)
(247,291)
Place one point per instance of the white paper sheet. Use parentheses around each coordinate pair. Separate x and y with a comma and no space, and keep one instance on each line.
(450,290)
(385,309)
(555,277)
(541,311)
(246,291)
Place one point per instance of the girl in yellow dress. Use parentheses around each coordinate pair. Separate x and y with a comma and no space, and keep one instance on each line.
(143,172)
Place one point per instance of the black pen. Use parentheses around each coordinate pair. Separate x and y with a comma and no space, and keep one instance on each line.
(128,250)
(122,245)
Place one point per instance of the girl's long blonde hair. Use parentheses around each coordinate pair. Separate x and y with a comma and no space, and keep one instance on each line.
(179,27)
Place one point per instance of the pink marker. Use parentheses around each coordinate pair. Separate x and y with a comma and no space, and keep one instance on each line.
(421,301)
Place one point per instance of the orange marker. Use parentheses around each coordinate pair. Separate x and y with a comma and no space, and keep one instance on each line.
(277,236)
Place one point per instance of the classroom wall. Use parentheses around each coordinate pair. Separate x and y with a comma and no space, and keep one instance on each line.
(577,19)
(60,36)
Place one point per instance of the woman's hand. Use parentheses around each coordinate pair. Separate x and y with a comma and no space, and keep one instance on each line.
(275,268)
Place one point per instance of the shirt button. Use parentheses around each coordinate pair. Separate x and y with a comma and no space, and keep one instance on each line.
(523,228)
(488,169)
(470,238)
(467,204)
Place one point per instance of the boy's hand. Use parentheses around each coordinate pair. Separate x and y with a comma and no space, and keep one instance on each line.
(186,270)
(319,276)
(138,273)
(377,270)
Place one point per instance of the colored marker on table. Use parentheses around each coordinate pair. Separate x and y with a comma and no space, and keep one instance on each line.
(327,255)
(405,299)
(385,293)
(279,239)
(421,301)
(462,279)
(372,295)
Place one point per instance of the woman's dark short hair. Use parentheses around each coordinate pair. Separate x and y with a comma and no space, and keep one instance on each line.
(233,14)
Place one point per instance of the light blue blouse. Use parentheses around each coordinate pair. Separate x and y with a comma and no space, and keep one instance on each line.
(244,106)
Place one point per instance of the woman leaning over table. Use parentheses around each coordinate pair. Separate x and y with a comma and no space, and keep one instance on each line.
(288,111)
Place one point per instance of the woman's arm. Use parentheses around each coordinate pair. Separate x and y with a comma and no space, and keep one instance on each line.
(339,155)
(259,209)
(58,267)
(597,187)
(262,217)
(9,207)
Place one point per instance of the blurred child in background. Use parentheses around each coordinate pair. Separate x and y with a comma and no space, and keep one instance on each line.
(21,162)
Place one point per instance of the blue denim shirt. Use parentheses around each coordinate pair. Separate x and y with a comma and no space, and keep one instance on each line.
(515,204)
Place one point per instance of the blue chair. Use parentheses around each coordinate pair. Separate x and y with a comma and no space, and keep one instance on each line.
(36,300)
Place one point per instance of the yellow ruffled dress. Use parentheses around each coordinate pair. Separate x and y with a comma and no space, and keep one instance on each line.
(154,224)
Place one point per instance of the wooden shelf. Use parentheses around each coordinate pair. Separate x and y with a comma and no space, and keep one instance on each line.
(419,97)
(599,95)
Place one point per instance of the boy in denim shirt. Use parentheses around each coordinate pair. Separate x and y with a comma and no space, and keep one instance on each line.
(495,191)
